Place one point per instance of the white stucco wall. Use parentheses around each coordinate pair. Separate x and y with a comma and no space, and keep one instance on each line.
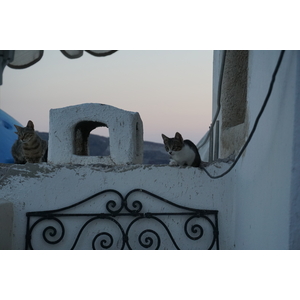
(43,186)
(265,175)
(125,134)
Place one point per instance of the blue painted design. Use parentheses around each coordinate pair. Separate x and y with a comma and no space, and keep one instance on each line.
(7,136)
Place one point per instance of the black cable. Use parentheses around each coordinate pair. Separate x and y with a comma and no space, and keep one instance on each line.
(256,121)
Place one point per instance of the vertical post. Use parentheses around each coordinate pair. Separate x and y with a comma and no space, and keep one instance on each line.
(216,146)
(211,144)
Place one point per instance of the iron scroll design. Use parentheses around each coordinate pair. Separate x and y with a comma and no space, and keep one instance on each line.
(118,222)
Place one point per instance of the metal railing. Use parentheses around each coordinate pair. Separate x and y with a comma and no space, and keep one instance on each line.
(107,220)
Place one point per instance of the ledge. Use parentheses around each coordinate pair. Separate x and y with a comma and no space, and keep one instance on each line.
(46,169)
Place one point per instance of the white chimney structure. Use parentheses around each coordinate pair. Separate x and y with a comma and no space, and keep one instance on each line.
(70,127)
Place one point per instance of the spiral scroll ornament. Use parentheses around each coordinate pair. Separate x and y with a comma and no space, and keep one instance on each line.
(105,240)
(52,234)
(112,204)
(136,207)
(146,240)
(195,229)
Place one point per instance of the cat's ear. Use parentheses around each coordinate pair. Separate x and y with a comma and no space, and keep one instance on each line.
(178,136)
(18,128)
(30,124)
(165,138)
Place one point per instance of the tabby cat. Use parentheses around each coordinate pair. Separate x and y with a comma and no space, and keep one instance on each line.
(182,152)
(29,147)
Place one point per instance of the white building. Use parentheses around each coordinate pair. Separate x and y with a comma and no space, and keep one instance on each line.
(257,201)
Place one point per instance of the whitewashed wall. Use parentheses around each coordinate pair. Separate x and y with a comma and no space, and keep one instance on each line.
(258,201)
(44,187)
(266,185)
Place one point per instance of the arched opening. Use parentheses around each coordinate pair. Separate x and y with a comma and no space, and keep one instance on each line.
(99,142)
(91,145)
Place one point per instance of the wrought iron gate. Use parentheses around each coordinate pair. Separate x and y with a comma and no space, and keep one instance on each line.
(123,223)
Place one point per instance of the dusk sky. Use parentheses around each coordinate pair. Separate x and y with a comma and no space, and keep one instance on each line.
(171,90)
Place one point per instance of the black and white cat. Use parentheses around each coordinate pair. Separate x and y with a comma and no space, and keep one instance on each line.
(182,152)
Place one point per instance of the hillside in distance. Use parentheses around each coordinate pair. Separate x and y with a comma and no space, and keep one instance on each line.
(154,153)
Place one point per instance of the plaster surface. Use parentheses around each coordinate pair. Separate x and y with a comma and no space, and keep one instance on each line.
(264,211)
(125,133)
(44,186)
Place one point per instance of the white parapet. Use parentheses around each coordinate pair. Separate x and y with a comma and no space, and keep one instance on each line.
(70,126)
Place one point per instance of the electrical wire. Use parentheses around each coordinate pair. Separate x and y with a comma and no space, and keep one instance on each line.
(256,120)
